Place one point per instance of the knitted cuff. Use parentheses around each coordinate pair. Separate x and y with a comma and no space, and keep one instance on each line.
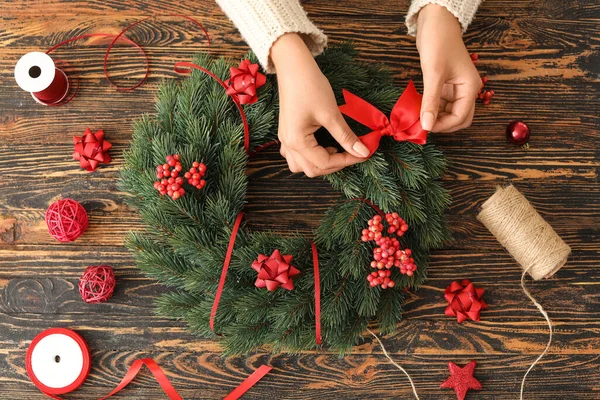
(463,10)
(262,22)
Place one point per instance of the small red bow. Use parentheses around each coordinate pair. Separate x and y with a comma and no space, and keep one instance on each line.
(91,149)
(403,124)
(274,271)
(244,82)
(465,301)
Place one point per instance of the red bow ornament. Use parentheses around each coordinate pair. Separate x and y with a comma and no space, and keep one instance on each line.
(465,301)
(274,271)
(403,124)
(91,149)
(244,82)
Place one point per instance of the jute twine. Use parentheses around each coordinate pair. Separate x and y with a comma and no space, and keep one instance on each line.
(530,240)
(524,233)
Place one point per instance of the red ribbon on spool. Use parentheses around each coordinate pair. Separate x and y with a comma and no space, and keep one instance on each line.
(55,92)
(40,356)
(45,348)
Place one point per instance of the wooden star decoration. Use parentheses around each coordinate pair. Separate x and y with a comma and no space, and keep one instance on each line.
(461,379)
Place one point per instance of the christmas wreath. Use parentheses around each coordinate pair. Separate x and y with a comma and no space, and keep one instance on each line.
(185,172)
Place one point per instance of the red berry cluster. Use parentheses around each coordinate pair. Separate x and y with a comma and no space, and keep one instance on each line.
(171,184)
(195,175)
(485,95)
(388,254)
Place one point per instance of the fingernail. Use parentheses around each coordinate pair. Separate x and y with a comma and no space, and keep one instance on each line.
(361,149)
(427,120)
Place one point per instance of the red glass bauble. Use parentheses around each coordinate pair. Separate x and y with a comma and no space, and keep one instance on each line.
(517,132)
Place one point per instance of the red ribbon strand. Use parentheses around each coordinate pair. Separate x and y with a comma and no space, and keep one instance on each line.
(403,124)
(215,306)
(116,38)
(248,383)
(315,256)
(160,376)
(185,68)
(166,385)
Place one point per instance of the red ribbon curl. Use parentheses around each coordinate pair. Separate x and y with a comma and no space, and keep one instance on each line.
(166,385)
(465,301)
(403,124)
(275,271)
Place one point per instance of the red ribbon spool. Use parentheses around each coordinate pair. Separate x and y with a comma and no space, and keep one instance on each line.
(36,355)
(37,73)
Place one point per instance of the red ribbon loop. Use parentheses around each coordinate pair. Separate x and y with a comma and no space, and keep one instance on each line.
(160,376)
(403,124)
(165,384)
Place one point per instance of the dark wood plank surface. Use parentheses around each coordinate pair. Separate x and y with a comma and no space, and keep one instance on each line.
(542,60)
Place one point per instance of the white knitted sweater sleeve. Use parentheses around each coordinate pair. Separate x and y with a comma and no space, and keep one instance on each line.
(463,10)
(262,22)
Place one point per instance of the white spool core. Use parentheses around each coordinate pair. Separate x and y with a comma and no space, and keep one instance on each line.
(35,71)
(57,361)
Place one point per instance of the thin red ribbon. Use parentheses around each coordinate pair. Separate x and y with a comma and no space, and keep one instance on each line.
(184,68)
(215,306)
(165,384)
(315,256)
(403,124)
(248,383)
(110,47)
(160,376)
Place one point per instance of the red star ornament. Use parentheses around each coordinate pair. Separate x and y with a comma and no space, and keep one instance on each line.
(91,149)
(461,379)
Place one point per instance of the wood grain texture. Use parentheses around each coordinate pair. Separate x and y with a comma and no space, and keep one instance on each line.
(541,58)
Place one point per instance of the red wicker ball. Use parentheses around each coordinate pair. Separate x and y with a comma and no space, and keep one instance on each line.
(66,220)
(97,283)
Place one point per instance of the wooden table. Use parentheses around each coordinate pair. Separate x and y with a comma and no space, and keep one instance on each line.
(543,62)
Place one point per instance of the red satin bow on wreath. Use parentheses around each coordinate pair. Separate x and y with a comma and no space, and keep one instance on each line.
(275,271)
(244,81)
(403,124)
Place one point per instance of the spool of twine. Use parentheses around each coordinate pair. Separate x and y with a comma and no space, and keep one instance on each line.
(530,240)
(524,233)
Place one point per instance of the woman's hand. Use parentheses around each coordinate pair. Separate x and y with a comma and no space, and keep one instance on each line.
(306,103)
(451,81)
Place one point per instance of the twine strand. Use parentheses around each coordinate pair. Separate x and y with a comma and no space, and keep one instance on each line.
(385,353)
(548,320)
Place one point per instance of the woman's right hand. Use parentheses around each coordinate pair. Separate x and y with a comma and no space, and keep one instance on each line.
(306,103)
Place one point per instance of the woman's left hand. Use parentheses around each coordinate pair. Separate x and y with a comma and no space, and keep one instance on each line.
(451,81)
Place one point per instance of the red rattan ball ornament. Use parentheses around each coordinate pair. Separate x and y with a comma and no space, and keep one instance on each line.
(66,220)
(97,284)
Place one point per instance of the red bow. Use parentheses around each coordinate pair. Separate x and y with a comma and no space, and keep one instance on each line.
(244,82)
(465,301)
(274,271)
(403,124)
(91,149)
